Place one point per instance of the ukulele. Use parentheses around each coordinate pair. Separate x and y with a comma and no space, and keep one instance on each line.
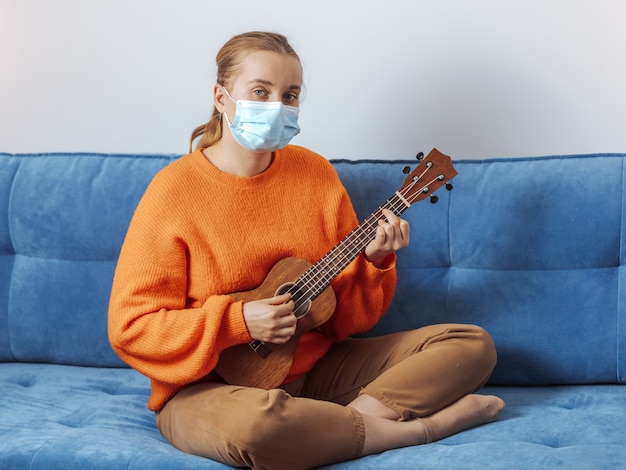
(262,365)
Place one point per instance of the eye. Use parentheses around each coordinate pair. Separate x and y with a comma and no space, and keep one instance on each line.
(290,98)
(259,93)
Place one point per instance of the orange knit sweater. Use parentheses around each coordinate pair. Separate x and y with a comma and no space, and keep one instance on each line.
(199,234)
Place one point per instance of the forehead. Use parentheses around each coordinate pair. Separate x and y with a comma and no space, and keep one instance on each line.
(281,69)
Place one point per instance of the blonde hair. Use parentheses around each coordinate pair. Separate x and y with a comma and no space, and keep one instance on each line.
(228,59)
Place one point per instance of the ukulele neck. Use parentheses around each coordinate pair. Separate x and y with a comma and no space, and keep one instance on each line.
(319,276)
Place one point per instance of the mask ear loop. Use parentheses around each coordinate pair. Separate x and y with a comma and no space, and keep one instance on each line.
(224,113)
(228,94)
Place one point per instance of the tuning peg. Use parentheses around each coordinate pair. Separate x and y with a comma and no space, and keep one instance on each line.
(449,186)
(406,170)
(433,198)
(420,156)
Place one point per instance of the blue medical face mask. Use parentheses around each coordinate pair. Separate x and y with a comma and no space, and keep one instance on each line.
(261,126)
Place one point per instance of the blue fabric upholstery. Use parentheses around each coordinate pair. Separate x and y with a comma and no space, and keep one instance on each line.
(530,248)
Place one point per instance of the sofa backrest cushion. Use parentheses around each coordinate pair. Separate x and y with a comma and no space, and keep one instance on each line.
(63,218)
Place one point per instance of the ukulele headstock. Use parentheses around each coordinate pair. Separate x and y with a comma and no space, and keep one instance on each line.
(434,171)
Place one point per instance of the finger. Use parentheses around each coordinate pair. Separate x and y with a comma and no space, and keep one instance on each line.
(390,227)
(277,300)
(392,218)
(280,339)
(283,335)
(396,228)
(390,233)
(285,319)
(284,310)
(381,234)
(287,331)
(405,229)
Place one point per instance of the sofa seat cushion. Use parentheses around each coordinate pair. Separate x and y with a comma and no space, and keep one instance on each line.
(70,417)
(568,427)
(59,417)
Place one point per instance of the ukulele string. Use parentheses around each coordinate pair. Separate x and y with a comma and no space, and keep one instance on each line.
(396,204)
(345,254)
(347,250)
(320,274)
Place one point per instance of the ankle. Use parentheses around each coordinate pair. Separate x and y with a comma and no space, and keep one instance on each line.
(466,413)
(428,432)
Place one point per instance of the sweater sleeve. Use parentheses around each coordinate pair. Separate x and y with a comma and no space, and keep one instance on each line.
(153,326)
(363,291)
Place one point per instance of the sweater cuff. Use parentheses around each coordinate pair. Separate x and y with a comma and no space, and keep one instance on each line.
(389,263)
(233,329)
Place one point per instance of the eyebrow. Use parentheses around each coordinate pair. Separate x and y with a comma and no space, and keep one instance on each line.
(268,83)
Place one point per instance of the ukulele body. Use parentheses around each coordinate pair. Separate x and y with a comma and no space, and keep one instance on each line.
(241,364)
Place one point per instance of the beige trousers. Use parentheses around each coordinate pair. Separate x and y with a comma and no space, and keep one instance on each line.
(306,423)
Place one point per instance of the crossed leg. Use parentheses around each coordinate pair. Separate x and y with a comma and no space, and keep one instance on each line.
(363,397)
(423,384)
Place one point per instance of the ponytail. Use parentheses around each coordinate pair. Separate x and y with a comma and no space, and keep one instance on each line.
(209,133)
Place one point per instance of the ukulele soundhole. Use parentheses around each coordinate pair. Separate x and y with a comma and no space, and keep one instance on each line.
(302,303)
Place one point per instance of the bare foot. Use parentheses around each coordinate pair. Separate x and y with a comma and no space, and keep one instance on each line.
(467,412)
(384,432)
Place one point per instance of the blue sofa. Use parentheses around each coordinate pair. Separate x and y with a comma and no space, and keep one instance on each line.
(532,249)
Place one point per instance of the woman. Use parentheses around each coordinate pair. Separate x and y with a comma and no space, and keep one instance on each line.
(214,223)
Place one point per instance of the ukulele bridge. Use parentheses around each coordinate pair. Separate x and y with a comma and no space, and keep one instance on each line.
(260,348)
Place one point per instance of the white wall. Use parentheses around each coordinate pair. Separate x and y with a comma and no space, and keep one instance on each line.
(385,79)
